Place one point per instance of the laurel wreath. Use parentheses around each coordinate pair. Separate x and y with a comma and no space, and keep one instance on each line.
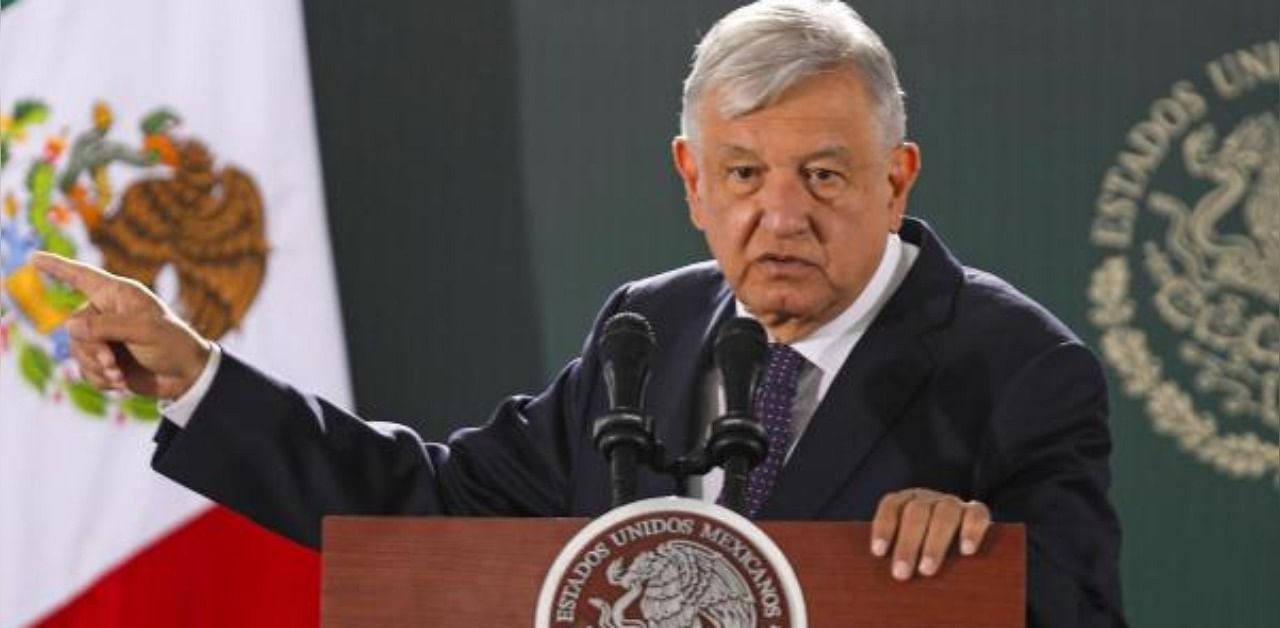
(1171,409)
(41,370)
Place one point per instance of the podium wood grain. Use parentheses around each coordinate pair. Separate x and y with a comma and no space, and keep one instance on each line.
(451,571)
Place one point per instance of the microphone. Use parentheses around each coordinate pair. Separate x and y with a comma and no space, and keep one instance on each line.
(626,346)
(740,350)
(624,435)
(738,442)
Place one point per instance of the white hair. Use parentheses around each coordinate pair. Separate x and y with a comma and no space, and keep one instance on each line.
(757,52)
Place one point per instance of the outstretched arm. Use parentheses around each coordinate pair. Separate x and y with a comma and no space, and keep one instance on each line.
(285,459)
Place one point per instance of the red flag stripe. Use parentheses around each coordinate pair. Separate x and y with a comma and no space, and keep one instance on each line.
(217,570)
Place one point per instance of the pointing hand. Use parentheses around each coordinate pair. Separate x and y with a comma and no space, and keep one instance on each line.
(126,338)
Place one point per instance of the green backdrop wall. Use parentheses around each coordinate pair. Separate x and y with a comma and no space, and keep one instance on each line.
(494,169)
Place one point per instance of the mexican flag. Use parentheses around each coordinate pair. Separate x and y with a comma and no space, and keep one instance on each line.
(172,142)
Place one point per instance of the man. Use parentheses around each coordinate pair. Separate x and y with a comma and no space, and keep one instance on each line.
(921,394)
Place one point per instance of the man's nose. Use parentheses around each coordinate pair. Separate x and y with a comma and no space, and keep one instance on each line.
(784,204)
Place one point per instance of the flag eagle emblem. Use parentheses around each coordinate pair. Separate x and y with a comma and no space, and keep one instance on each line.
(179,209)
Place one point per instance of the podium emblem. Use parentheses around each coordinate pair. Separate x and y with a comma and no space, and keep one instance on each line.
(670,562)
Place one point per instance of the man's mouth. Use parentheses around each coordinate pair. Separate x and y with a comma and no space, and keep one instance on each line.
(783,264)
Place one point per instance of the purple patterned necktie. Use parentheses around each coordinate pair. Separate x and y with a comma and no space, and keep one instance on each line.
(772,406)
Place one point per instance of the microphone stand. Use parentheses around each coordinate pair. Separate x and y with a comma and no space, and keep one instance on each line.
(738,442)
(626,440)
(625,435)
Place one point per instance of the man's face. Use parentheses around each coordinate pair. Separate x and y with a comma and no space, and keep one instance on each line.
(796,199)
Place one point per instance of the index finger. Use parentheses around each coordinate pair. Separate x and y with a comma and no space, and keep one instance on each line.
(83,277)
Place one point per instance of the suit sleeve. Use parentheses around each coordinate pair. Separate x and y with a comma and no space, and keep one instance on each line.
(286,459)
(1049,469)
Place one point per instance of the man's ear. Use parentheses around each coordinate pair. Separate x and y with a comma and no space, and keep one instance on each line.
(904,167)
(687,166)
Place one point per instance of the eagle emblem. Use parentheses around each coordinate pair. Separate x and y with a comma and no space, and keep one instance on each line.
(179,210)
(1207,274)
(1205,238)
(204,221)
(679,584)
(680,563)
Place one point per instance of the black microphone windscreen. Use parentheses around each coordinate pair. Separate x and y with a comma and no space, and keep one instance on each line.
(740,350)
(626,346)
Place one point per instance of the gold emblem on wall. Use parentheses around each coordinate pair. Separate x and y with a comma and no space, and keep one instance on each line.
(1187,294)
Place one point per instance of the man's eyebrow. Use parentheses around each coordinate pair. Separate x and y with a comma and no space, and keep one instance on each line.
(734,150)
(839,153)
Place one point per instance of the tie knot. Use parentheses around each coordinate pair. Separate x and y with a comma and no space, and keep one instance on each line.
(783,365)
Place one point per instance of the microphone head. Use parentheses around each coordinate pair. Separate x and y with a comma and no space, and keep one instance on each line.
(740,351)
(626,345)
(626,327)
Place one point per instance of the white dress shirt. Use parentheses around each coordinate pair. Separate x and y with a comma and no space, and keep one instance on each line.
(180,410)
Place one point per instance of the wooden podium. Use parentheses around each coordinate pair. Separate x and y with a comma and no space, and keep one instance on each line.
(451,571)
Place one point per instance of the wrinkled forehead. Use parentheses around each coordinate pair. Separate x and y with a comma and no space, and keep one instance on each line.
(827,113)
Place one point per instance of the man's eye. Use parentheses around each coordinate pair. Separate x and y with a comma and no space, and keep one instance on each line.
(743,173)
(819,175)
(825,183)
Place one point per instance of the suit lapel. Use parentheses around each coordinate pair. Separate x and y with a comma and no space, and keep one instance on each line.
(874,387)
(866,398)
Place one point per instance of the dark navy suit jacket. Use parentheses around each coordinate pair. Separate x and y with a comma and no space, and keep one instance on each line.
(961,385)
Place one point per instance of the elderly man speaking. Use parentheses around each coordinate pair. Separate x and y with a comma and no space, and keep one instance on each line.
(926,396)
